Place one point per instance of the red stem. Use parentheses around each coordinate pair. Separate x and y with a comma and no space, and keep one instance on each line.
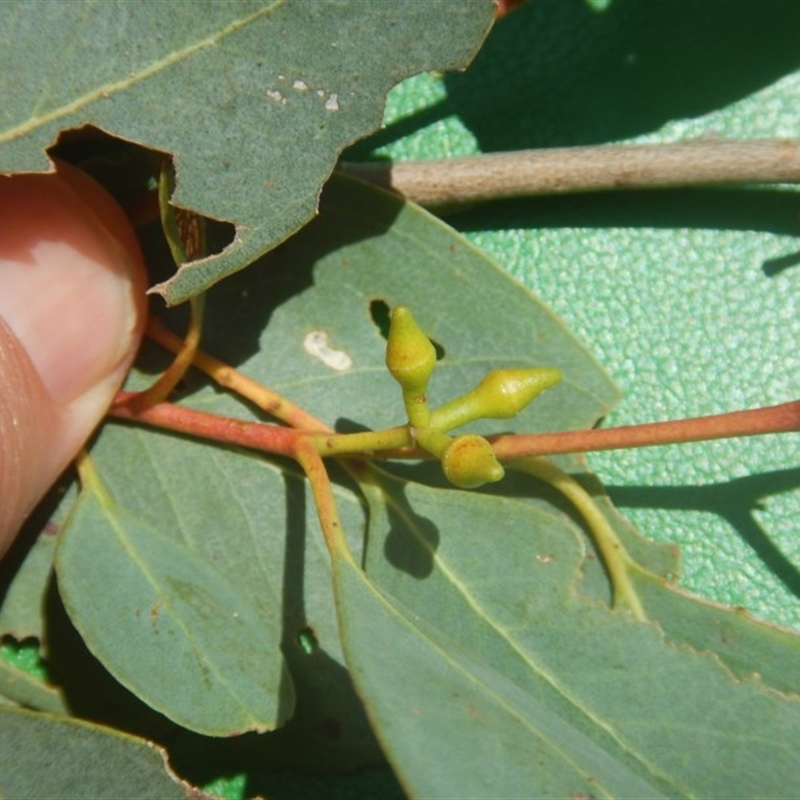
(771,419)
(255,435)
(275,439)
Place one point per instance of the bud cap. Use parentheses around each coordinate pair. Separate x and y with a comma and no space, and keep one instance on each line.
(410,356)
(470,462)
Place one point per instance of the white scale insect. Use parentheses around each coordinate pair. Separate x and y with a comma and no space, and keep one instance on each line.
(316,344)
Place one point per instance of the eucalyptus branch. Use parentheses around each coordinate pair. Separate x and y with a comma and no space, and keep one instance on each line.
(783,418)
(185,352)
(468,460)
(562,170)
(396,442)
(212,427)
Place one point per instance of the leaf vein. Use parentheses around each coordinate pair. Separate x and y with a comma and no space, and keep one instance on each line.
(114,87)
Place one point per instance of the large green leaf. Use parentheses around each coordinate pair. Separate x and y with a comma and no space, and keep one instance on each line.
(203,553)
(253,100)
(58,758)
(175,616)
(689,298)
(459,723)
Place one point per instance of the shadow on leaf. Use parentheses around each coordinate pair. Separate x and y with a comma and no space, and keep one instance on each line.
(239,309)
(412,540)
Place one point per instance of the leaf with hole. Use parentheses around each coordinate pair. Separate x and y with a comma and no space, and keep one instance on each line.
(263,95)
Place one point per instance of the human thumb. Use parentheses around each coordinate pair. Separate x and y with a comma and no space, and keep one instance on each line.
(72,311)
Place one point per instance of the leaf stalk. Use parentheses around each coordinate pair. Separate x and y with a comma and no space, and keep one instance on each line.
(616,558)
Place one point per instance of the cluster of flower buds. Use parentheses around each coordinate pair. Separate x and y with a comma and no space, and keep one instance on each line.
(468,460)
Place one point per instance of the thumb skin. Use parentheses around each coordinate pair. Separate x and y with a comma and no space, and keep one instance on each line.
(72,311)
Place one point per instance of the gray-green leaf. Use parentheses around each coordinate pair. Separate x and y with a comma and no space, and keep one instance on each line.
(254,100)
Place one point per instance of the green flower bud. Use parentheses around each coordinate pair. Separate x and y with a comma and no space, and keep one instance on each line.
(502,394)
(410,356)
(469,462)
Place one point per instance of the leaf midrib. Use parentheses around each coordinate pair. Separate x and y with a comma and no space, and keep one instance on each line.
(506,636)
(114,87)
(211,663)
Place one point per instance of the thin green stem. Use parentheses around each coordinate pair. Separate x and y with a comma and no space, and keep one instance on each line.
(434,440)
(364,443)
(615,557)
(89,478)
(416,405)
(185,352)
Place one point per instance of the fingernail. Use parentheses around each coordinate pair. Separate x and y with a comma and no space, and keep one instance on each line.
(70,292)
(75,317)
